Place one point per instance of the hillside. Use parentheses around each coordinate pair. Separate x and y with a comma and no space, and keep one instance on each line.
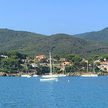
(32,43)
(95,36)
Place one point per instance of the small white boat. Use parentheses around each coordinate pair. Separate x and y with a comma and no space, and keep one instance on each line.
(26,75)
(49,79)
(89,75)
(61,75)
(35,75)
(53,76)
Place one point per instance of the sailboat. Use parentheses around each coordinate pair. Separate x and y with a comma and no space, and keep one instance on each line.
(50,76)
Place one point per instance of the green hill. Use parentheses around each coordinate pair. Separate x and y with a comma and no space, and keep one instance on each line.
(95,36)
(32,43)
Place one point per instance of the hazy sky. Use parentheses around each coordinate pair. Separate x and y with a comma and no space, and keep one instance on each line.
(54,16)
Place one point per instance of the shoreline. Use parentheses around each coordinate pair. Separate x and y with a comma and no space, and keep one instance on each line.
(68,74)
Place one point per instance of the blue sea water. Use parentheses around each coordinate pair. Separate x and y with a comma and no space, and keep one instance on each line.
(68,92)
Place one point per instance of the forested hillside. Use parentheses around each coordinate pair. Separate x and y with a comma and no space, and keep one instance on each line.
(32,43)
(95,36)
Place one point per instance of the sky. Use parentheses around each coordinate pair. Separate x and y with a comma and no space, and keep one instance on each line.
(54,16)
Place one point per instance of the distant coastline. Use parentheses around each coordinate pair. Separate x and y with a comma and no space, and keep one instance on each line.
(13,63)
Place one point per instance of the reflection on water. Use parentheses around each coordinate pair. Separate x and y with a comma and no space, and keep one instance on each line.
(78,92)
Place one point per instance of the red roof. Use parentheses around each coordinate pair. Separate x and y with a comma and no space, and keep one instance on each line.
(103,63)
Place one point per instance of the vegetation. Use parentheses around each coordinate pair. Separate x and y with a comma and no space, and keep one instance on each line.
(31,43)
(19,48)
(13,62)
(95,36)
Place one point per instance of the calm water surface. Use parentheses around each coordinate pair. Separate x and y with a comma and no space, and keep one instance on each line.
(79,92)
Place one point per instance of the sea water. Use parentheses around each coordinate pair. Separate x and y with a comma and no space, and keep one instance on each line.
(67,92)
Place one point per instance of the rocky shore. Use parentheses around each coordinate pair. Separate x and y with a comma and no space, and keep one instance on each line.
(68,74)
(10,74)
(80,73)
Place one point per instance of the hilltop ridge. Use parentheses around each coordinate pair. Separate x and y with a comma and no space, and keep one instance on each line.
(101,35)
(32,43)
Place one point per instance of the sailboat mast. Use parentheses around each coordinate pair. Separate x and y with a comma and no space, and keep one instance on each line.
(50,64)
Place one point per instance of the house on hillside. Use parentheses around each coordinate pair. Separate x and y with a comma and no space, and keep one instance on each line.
(62,59)
(97,61)
(65,63)
(44,64)
(34,65)
(103,66)
(40,57)
(3,56)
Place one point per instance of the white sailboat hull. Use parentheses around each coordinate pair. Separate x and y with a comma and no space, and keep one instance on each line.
(50,76)
(49,79)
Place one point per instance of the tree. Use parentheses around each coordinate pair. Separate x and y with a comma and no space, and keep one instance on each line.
(73,58)
(70,69)
(105,57)
(95,57)
(44,60)
(16,55)
(57,57)
(42,70)
(12,64)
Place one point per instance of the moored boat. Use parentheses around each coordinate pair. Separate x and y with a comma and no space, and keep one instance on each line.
(26,75)
(61,75)
(35,75)
(89,75)
(49,79)
(51,76)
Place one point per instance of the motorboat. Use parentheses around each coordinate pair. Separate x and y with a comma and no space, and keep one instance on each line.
(35,75)
(61,75)
(89,75)
(26,75)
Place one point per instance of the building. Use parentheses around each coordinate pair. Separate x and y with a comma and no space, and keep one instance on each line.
(3,56)
(65,63)
(62,59)
(103,66)
(40,57)
(44,64)
(34,65)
